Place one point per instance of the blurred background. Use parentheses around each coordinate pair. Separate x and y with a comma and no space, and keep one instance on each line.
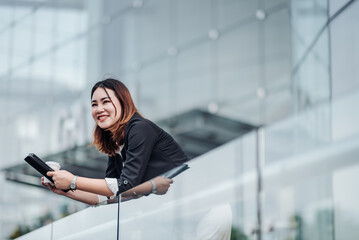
(208,71)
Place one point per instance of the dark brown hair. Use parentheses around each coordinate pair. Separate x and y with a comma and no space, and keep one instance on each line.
(108,140)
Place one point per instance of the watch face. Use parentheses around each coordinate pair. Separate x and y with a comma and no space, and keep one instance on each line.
(73,184)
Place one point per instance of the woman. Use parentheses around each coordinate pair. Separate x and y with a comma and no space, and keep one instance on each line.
(138,150)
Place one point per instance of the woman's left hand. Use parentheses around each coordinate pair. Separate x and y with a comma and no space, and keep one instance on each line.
(62,178)
(162,184)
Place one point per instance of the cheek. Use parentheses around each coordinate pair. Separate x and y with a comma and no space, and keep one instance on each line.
(118,114)
(119,110)
(93,113)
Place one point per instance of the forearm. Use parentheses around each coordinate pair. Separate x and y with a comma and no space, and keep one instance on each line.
(160,184)
(85,197)
(91,185)
(142,189)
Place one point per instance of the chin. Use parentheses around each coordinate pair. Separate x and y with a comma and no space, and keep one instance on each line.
(104,126)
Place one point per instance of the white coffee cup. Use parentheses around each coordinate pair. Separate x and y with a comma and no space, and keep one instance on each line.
(53,165)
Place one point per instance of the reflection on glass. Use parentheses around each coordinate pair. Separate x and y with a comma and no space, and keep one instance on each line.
(307,182)
(216,224)
(311,62)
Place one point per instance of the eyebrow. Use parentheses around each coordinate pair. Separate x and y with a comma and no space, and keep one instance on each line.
(100,99)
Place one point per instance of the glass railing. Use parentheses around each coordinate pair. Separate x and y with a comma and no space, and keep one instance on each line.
(215,196)
(292,180)
(309,170)
(91,223)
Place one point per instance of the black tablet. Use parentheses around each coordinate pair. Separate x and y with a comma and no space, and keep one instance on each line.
(39,165)
(175,171)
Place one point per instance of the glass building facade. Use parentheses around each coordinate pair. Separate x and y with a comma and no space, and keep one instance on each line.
(289,66)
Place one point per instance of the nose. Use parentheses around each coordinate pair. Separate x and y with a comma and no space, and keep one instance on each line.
(99,109)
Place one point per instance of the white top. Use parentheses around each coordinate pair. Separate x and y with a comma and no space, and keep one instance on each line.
(111,183)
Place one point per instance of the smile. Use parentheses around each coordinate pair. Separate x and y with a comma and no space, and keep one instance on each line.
(102,118)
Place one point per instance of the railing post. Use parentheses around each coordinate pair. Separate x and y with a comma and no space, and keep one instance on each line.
(259,164)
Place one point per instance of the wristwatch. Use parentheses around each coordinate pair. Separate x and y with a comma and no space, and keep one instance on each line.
(73,183)
(154,187)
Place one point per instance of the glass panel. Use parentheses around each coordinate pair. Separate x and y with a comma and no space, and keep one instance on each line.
(199,205)
(154,21)
(193,20)
(39,209)
(277,50)
(22,42)
(345,51)
(155,97)
(272,3)
(69,73)
(308,17)
(44,30)
(6,14)
(9,130)
(4,54)
(29,133)
(192,77)
(307,131)
(6,17)
(344,118)
(346,195)
(130,25)
(233,11)
(114,7)
(305,164)
(238,68)
(312,80)
(42,71)
(311,77)
(67,24)
(91,223)
(335,5)
(21,13)
(81,63)
(41,233)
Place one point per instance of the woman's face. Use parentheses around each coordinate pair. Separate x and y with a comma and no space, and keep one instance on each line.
(103,110)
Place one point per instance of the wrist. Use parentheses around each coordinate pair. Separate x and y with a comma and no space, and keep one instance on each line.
(73,185)
(154,187)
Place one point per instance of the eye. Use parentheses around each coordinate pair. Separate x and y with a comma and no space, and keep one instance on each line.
(106,101)
(93,104)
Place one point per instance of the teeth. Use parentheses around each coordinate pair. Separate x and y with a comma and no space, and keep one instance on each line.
(102,117)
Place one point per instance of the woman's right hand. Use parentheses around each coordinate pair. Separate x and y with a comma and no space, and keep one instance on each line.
(52,188)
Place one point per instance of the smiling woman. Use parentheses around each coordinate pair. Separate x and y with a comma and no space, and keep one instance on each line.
(112,108)
(139,151)
(103,108)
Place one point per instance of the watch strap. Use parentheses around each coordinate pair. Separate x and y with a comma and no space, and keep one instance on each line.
(73,183)
(154,187)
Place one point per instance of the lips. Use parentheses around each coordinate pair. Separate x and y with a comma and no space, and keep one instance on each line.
(102,118)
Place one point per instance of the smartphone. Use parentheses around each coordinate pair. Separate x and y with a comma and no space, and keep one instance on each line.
(175,171)
(40,166)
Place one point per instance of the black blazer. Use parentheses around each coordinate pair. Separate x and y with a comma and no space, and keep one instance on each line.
(148,151)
